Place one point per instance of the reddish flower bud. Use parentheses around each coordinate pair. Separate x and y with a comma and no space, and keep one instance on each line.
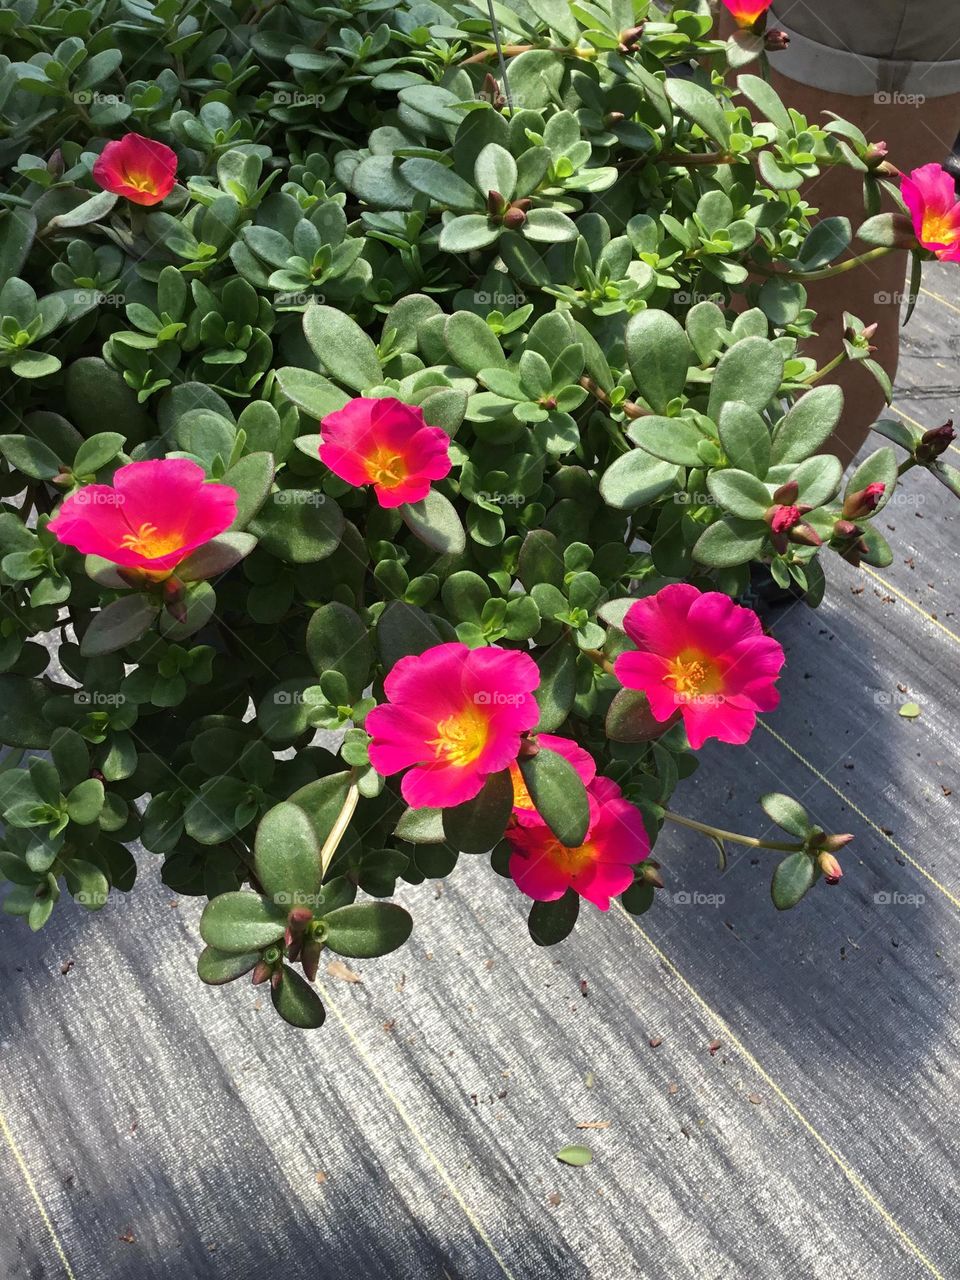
(495,204)
(782,519)
(310,958)
(875,154)
(934,442)
(832,871)
(787,493)
(514,218)
(833,844)
(261,972)
(55,164)
(492,93)
(864,501)
(613,117)
(846,529)
(629,38)
(805,535)
(775,40)
(650,872)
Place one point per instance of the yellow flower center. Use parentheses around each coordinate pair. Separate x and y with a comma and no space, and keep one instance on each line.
(385,467)
(938,228)
(692,675)
(148,542)
(462,737)
(140,182)
(570,861)
(521,796)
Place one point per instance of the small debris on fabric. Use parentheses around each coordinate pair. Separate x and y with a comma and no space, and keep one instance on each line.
(337,969)
(583,987)
(592,1124)
(754,1098)
(713,1046)
(68,964)
(554,1198)
(320,1177)
(673,1087)
(656,1042)
(128,1237)
(910,710)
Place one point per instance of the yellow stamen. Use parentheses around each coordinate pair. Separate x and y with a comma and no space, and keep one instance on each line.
(521,796)
(148,542)
(940,228)
(386,467)
(462,737)
(692,674)
(140,182)
(570,861)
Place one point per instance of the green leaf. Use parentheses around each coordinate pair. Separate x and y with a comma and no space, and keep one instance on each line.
(794,876)
(434,520)
(495,170)
(312,392)
(97,452)
(767,101)
(338,640)
(85,802)
(558,686)
(700,106)
(828,239)
(807,424)
(729,542)
(440,183)
(629,718)
(575,1155)
(403,629)
(549,225)
(787,813)
(30,456)
(550,922)
(296,1001)
(83,214)
(367,929)
(745,438)
(477,825)
(299,526)
(22,723)
(740,493)
(346,352)
(286,855)
(675,440)
(472,342)
(659,355)
(242,921)
(251,477)
(216,556)
(119,624)
(559,796)
(750,372)
(910,710)
(467,232)
(217,967)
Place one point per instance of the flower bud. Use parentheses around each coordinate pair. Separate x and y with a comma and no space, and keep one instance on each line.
(775,40)
(261,972)
(875,154)
(832,871)
(782,519)
(650,873)
(805,535)
(492,93)
(833,844)
(613,117)
(310,958)
(934,442)
(787,493)
(864,501)
(846,529)
(495,204)
(629,38)
(514,218)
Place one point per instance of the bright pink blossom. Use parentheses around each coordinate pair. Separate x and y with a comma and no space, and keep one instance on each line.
(152,515)
(597,870)
(386,443)
(930,195)
(140,169)
(702,655)
(784,519)
(746,12)
(524,810)
(454,716)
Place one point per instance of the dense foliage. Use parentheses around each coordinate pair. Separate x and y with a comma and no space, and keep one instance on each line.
(589,275)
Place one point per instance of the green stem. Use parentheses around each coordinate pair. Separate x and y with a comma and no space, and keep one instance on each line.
(825,273)
(905,466)
(718,834)
(827,368)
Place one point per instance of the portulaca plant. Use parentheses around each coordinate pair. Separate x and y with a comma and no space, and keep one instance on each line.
(395,410)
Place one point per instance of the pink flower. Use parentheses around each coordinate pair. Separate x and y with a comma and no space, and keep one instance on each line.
(930,195)
(600,868)
(454,716)
(702,655)
(746,12)
(524,810)
(138,168)
(784,519)
(152,515)
(386,443)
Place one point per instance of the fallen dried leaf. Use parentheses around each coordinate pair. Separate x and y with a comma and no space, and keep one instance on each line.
(593,1124)
(337,969)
